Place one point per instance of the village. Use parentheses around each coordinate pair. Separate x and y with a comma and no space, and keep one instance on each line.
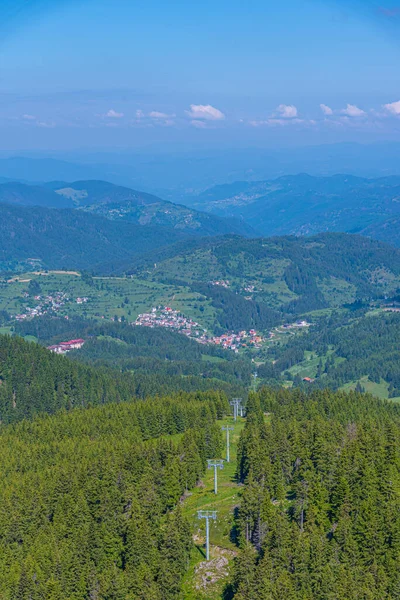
(173,319)
(52,303)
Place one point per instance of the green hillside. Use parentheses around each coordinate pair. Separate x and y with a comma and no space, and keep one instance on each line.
(72,239)
(150,354)
(296,275)
(305,205)
(352,350)
(124,204)
(119,203)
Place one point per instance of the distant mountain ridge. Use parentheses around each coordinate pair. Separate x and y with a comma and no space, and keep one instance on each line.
(119,203)
(306,205)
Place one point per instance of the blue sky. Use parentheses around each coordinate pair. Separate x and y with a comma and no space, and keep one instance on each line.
(96,74)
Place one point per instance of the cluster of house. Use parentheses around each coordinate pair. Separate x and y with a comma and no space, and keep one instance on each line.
(170,319)
(173,319)
(64,347)
(243,339)
(45,304)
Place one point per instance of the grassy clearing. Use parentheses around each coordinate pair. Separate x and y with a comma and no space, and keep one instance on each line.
(309,366)
(222,539)
(380,390)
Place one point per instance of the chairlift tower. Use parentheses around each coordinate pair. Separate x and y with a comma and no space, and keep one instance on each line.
(215,464)
(236,403)
(207,515)
(227,429)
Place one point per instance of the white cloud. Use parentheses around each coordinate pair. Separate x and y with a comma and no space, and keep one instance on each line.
(158,115)
(328,112)
(206,112)
(113,114)
(258,123)
(139,114)
(45,125)
(29,118)
(198,124)
(287,111)
(393,108)
(274,122)
(353,111)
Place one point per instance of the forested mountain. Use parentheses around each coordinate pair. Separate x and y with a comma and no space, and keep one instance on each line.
(347,348)
(388,230)
(304,205)
(34,380)
(319,516)
(72,239)
(151,354)
(90,499)
(293,275)
(30,195)
(120,204)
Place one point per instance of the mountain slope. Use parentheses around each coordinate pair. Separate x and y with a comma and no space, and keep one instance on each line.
(121,204)
(34,380)
(73,239)
(297,275)
(304,205)
(124,204)
(387,231)
(30,195)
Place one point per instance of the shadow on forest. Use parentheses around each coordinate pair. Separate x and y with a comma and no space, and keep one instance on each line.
(234,533)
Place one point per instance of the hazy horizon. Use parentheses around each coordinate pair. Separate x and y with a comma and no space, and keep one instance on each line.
(76,74)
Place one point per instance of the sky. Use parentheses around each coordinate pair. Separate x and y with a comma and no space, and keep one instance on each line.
(95,74)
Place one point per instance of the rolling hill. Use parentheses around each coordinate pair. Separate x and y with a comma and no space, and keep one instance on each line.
(121,204)
(306,205)
(23,194)
(124,204)
(292,274)
(72,239)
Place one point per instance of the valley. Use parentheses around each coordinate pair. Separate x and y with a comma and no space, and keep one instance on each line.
(144,324)
(242,298)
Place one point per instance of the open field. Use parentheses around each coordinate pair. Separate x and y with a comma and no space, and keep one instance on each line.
(380,390)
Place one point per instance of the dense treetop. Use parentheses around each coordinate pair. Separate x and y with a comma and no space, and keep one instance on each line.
(88,507)
(34,380)
(320,512)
